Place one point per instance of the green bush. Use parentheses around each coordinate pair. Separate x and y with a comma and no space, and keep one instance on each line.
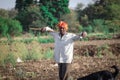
(31,54)
(9,27)
(3,27)
(32,50)
(14,27)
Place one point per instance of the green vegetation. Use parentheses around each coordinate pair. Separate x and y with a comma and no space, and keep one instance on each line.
(9,27)
(102,50)
(30,48)
(40,13)
(21,74)
(100,17)
(45,40)
(26,51)
(48,54)
(101,20)
(9,60)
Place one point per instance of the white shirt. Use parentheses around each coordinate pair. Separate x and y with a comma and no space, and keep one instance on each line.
(63,52)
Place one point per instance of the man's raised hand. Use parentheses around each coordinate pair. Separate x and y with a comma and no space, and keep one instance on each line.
(84,34)
(43,29)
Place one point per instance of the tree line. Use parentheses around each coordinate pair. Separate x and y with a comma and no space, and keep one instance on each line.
(103,15)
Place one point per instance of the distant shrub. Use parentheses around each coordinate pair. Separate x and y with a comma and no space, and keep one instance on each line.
(106,26)
(9,27)
(113,25)
(89,29)
(98,25)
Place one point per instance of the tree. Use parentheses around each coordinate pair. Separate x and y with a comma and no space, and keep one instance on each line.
(48,16)
(53,10)
(103,9)
(113,12)
(61,7)
(4,13)
(12,13)
(8,13)
(49,12)
(31,17)
(71,19)
(79,12)
(20,5)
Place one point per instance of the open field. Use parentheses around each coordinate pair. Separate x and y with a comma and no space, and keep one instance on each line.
(89,56)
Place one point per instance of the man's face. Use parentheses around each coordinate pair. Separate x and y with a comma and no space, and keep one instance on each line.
(62,30)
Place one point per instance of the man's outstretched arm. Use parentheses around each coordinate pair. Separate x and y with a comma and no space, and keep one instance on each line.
(47,29)
(80,36)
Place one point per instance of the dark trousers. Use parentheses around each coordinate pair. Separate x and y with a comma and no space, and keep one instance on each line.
(64,71)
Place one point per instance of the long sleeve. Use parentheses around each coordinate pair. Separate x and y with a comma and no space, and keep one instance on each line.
(77,37)
(49,29)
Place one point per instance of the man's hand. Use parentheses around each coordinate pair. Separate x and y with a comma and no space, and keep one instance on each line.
(84,34)
(43,29)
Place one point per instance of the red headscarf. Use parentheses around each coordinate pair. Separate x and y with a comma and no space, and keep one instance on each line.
(63,24)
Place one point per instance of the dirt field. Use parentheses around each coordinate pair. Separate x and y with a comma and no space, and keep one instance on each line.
(86,61)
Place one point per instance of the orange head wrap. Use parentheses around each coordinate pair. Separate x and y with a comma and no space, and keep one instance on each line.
(63,24)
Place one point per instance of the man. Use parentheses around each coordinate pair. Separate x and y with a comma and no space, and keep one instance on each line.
(63,52)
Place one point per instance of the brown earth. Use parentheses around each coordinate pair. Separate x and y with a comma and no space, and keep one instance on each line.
(89,56)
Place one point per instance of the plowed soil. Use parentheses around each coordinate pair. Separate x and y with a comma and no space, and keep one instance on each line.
(89,57)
